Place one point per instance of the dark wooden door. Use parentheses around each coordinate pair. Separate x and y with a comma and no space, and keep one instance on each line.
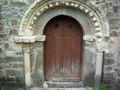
(63,50)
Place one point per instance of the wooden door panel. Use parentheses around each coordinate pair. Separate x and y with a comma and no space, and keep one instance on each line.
(53,63)
(57,57)
(67,51)
(50,59)
(76,64)
(63,49)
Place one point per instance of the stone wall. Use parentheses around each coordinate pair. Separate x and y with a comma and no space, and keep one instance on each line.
(111,71)
(11,57)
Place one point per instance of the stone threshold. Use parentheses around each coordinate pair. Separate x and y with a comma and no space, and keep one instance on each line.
(61,88)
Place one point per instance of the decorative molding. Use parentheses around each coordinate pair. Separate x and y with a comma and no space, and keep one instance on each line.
(29,39)
(26,48)
(24,39)
(36,9)
(96,16)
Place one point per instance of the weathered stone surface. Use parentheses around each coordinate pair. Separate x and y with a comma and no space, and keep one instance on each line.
(11,13)
(61,88)
(116,2)
(21,1)
(108,75)
(108,68)
(117,72)
(14,23)
(18,2)
(17,73)
(116,9)
(1,2)
(13,59)
(113,47)
(118,81)
(107,81)
(114,34)
(109,55)
(109,61)
(14,65)
(13,53)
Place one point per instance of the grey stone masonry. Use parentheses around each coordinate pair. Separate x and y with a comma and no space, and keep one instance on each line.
(61,89)
(11,55)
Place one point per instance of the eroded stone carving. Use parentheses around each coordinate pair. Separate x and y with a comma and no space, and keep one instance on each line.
(25,39)
(52,4)
(89,38)
(30,17)
(29,39)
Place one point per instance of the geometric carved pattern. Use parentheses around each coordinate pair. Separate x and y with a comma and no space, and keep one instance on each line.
(96,16)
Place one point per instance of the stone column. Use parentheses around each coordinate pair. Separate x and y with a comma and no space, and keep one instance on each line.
(26,42)
(99,61)
(26,51)
(98,72)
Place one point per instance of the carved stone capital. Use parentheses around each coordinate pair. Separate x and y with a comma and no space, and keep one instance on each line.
(29,39)
(24,39)
(26,48)
(40,38)
(99,45)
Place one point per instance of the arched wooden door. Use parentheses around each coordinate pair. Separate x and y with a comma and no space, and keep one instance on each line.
(63,50)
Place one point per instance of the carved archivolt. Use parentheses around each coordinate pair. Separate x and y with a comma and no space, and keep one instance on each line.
(95,14)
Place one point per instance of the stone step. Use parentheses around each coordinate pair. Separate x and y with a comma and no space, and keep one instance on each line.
(61,88)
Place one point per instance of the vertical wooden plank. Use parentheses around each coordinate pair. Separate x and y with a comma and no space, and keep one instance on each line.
(58,61)
(67,57)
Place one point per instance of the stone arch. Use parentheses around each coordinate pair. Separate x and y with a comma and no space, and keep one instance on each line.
(94,13)
(43,19)
(37,10)
(95,17)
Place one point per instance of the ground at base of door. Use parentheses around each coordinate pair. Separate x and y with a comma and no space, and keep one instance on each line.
(61,89)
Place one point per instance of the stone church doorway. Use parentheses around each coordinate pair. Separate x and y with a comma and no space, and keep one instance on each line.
(63,50)
(52,42)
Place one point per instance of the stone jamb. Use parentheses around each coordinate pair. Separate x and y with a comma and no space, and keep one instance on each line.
(26,51)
